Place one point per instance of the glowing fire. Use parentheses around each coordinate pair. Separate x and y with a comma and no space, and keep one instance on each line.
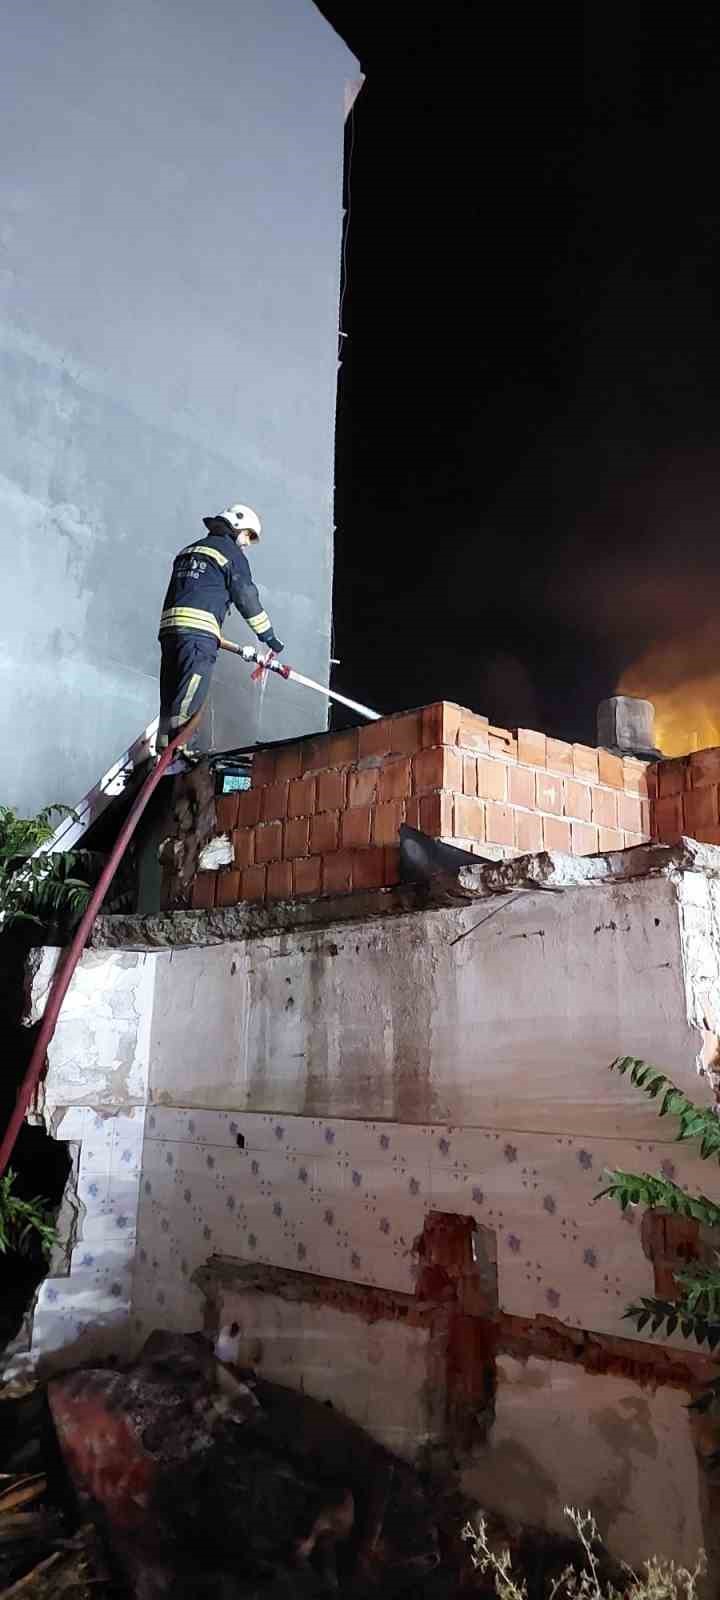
(682,679)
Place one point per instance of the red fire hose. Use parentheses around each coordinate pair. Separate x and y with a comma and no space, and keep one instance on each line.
(64,973)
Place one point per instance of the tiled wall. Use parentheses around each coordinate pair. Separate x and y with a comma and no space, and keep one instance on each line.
(83,1312)
(94,1098)
(323,816)
(347,1199)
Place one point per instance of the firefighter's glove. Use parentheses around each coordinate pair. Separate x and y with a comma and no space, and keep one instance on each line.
(274,644)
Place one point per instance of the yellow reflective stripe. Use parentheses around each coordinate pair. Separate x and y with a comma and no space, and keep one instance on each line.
(189,696)
(190,617)
(260,622)
(207,550)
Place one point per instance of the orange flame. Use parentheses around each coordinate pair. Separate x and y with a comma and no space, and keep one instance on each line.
(682,678)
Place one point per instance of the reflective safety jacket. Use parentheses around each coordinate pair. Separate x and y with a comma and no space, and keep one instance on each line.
(208,577)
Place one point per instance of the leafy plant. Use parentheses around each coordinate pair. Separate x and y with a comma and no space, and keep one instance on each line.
(696,1309)
(41,888)
(23,1222)
(660,1580)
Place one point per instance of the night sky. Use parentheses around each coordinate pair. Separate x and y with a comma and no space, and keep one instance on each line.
(528,440)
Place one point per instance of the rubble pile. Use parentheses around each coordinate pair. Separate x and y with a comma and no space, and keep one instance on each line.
(206,1484)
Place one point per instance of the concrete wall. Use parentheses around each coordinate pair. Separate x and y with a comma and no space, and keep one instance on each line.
(304,1100)
(390,1019)
(314,1094)
(626,1452)
(386,1375)
(169,266)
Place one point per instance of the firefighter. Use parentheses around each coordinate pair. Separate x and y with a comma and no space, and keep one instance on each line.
(208,577)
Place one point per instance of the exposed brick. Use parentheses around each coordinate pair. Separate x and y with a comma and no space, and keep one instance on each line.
(315,753)
(244,846)
(375,738)
(639,777)
(700,810)
(307,876)
(301,797)
(288,763)
(704,767)
(362,786)
(646,817)
(556,832)
(263,768)
(296,837)
(605,807)
(275,802)
(253,883)
(610,839)
(501,742)
(549,793)
(672,777)
(499,824)
(469,781)
(368,869)
(711,835)
(249,807)
(532,747)
(337,872)
(226,810)
(331,790)
(559,757)
(585,762)
(670,1243)
(435,814)
(473,732)
(521,787)
(268,842)
(437,769)
(386,822)
(629,813)
(203,891)
(584,839)
(528,831)
(412,812)
(440,724)
(492,780)
(391,864)
(395,779)
(406,733)
(668,819)
(610,770)
(355,827)
(343,748)
(279,880)
(469,818)
(324,832)
(632,839)
(577,799)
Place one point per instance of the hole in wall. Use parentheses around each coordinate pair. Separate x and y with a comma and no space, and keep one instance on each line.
(41,1164)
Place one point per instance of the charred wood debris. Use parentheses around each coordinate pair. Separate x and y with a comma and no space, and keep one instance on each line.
(181,1477)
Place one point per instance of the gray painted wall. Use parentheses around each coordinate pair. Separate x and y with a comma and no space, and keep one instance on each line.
(170,213)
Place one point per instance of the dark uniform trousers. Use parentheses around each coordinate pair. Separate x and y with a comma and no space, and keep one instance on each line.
(207,578)
(187,660)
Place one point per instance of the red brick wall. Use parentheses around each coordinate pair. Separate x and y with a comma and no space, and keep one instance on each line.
(323,816)
(688,798)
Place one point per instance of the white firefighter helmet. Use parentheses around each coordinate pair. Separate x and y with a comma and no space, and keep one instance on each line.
(242,518)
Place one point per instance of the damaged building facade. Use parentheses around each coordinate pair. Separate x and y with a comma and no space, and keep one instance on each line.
(356,1129)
